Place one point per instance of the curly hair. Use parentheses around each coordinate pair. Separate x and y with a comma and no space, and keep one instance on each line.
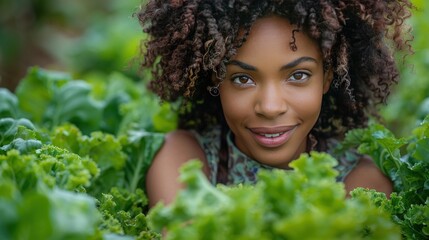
(190,40)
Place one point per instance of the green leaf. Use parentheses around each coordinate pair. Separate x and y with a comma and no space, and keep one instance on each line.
(165,120)
(9,196)
(147,113)
(59,215)
(22,170)
(36,91)
(23,146)
(199,203)
(9,129)
(103,149)
(34,222)
(406,163)
(111,115)
(19,134)
(67,136)
(107,152)
(52,98)
(123,212)
(381,145)
(416,222)
(140,147)
(72,103)
(8,104)
(305,166)
(74,215)
(282,205)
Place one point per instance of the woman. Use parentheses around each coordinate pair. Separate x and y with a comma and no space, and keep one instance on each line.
(264,81)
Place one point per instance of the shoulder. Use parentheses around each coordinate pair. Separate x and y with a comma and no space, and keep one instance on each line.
(181,142)
(367,175)
(162,181)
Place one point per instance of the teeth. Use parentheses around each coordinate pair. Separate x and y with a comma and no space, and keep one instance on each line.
(272,135)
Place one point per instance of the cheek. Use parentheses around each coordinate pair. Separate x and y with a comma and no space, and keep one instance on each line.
(307,105)
(235,106)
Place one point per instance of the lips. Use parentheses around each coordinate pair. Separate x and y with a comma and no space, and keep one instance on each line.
(272,137)
(272,130)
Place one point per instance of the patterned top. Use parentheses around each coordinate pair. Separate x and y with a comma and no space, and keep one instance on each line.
(243,169)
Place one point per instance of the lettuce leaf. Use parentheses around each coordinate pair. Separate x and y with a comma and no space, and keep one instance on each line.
(405,161)
(282,205)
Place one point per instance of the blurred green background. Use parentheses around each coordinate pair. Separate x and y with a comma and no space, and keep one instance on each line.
(93,39)
(80,37)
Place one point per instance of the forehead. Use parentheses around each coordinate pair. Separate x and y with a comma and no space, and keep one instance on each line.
(274,34)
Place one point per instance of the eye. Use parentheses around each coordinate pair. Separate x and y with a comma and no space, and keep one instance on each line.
(242,80)
(299,77)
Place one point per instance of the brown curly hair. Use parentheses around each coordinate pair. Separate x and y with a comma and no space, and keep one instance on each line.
(189,40)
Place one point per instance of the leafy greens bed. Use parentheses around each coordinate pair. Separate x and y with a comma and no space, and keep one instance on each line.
(73,156)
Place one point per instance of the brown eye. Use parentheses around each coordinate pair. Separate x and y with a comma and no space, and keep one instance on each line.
(242,80)
(299,77)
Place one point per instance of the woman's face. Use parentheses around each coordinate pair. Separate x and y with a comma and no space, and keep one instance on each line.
(271,96)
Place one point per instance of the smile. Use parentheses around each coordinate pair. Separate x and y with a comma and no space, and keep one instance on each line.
(272,137)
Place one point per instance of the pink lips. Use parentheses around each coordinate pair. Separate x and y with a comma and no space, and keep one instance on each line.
(272,137)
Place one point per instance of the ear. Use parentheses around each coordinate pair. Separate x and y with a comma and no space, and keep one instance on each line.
(328,76)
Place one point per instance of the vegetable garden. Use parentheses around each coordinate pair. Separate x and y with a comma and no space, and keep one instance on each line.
(74,146)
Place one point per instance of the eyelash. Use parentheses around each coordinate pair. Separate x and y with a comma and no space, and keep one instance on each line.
(303,79)
(236,78)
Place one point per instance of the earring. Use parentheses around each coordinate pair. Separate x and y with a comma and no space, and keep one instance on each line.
(214,91)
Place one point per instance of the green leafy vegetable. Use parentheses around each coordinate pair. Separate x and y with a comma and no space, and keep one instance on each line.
(123,213)
(282,205)
(141,148)
(81,150)
(8,104)
(406,162)
(36,91)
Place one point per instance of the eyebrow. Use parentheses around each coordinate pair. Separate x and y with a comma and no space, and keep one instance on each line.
(292,64)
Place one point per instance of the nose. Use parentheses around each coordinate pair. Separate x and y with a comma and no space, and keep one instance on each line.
(271,101)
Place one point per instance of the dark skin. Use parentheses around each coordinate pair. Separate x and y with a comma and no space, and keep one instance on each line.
(162,181)
(357,39)
(289,95)
(196,44)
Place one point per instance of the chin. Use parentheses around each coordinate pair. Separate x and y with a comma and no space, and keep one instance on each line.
(277,160)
